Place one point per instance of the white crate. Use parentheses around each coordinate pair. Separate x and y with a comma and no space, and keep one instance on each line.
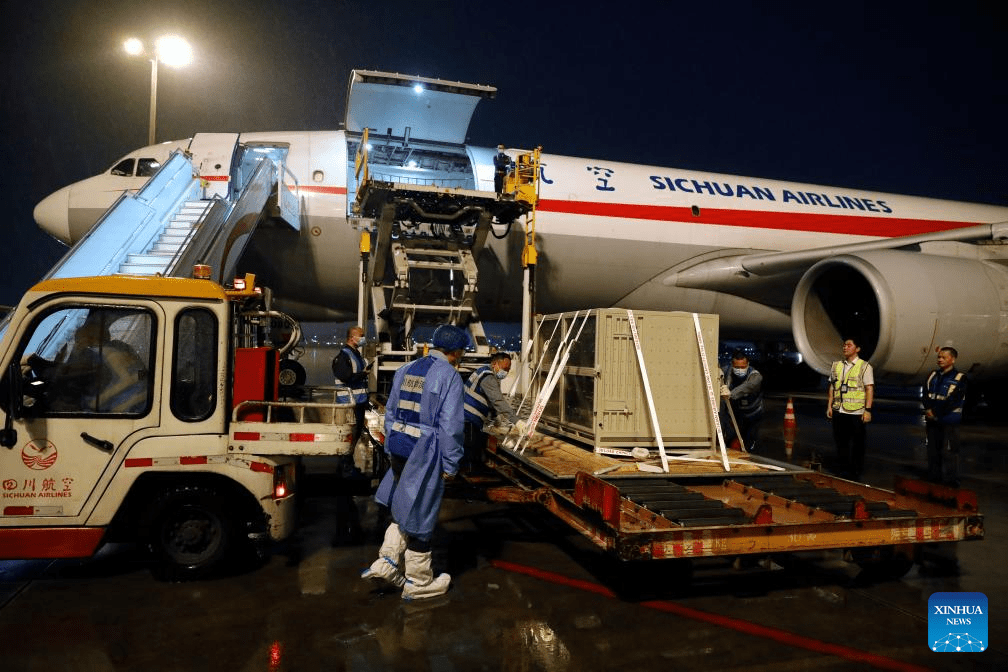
(600,398)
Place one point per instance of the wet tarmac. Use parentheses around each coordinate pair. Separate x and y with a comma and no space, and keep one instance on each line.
(528,594)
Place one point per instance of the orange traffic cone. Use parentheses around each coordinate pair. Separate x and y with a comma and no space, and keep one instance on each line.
(790,429)
(789,419)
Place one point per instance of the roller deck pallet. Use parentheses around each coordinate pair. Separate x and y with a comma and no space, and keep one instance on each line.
(700,510)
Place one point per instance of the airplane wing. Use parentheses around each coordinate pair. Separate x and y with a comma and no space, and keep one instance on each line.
(892,293)
(771,277)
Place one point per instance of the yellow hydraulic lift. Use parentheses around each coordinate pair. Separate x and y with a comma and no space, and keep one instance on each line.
(412,229)
(523,182)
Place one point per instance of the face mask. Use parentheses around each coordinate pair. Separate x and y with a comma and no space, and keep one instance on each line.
(501,375)
(361,340)
(739,372)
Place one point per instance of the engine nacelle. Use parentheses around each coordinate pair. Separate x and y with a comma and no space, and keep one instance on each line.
(904,306)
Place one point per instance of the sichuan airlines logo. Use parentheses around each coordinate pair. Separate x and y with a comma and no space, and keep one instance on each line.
(38,457)
(957,622)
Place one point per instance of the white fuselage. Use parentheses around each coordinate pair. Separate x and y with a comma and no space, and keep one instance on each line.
(607,233)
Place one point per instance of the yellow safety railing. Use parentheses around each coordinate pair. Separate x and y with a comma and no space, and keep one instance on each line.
(361,159)
(524,182)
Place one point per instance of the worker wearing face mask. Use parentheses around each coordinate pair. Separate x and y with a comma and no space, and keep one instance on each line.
(351,373)
(484,402)
(743,389)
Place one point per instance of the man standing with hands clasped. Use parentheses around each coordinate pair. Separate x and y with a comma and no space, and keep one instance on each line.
(944,396)
(849,404)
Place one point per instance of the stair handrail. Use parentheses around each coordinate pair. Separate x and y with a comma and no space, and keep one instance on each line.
(210,241)
(169,182)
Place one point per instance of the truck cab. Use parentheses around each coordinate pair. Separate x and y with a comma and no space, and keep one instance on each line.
(120,414)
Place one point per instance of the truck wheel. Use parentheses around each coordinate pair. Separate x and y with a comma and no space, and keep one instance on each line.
(191,532)
(884,563)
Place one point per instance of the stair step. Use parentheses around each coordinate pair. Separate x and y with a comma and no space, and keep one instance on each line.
(134,269)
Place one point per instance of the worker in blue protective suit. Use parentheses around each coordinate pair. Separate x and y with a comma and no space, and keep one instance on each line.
(423,439)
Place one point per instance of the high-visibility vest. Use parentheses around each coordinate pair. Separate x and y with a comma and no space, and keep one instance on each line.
(749,405)
(939,388)
(406,427)
(359,393)
(477,407)
(853,399)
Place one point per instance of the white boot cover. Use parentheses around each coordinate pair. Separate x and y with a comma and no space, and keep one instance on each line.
(420,582)
(388,568)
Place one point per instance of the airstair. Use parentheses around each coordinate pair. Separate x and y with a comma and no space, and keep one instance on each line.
(188,214)
(167,246)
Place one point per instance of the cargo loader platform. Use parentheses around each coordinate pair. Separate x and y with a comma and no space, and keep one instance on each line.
(760,507)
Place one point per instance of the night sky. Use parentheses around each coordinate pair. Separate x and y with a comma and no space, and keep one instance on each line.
(901,97)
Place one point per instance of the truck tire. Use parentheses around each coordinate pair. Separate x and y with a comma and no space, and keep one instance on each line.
(191,532)
(883,563)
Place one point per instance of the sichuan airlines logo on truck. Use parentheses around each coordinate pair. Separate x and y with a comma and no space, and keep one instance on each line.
(39,456)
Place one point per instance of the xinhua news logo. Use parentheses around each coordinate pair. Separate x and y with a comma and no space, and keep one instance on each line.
(957,622)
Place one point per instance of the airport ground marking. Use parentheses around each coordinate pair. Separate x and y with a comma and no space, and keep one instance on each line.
(782,636)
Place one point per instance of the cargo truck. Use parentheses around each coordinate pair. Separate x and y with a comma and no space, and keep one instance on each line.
(146,409)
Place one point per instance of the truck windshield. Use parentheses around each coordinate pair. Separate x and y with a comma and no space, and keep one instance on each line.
(90,360)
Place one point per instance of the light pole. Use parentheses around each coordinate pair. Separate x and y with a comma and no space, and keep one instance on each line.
(170,50)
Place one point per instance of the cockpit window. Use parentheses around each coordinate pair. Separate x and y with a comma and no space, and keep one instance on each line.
(147,167)
(124,168)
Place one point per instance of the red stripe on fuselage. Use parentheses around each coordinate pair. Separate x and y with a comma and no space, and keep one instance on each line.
(855,225)
(311,188)
(318,189)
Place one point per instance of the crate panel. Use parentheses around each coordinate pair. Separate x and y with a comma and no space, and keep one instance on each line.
(600,396)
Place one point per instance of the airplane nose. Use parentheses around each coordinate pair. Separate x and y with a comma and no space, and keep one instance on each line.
(52,214)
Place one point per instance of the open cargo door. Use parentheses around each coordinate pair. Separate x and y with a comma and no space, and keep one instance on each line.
(406,107)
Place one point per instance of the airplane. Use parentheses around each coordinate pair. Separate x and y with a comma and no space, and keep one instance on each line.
(776,260)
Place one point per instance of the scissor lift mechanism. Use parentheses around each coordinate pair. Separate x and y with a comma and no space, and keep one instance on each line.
(419,250)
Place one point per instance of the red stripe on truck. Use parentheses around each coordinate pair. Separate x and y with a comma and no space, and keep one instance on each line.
(49,542)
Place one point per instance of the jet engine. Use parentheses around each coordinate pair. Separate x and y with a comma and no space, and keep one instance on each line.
(903,306)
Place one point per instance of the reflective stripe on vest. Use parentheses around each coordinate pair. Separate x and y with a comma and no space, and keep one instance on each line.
(940,391)
(407,411)
(949,385)
(854,398)
(407,429)
(477,407)
(750,405)
(357,365)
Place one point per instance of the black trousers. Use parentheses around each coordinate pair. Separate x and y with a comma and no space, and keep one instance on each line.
(748,426)
(358,412)
(939,437)
(475,441)
(849,436)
